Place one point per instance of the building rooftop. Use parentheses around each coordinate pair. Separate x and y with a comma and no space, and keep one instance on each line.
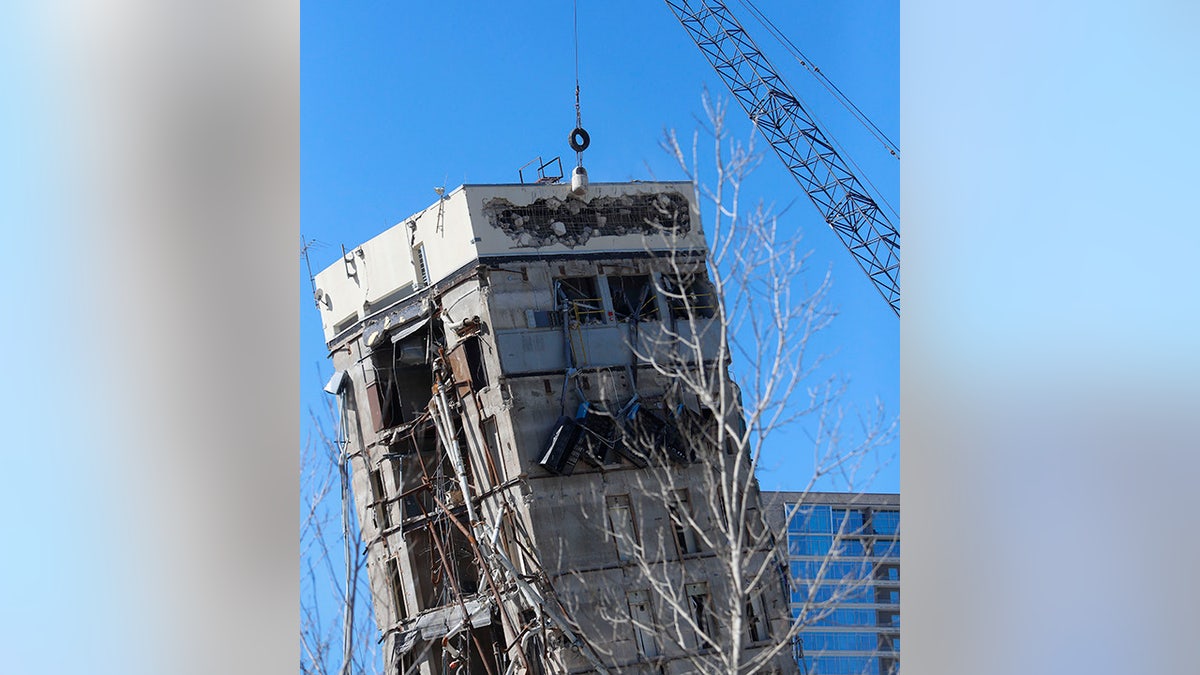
(501,222)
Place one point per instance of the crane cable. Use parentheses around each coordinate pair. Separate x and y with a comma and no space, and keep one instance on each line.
(579,139)
(832,88)
(846,103)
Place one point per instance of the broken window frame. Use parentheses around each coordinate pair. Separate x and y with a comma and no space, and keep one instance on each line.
(583,302)
(700,607)
(756,527)
(396,587)
(641,618)
(489,427)
(625,307)
(468,364)
(680,508)
(400,389)
(690,295)
(622,526)
(418,543)
(379,504)
(758,627)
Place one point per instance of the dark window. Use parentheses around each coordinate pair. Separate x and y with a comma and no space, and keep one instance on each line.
(394,585)
(383,517)
(491,438)
(756,620)
(479,377)
(633,298)
(701,612)
(466,361)
(690,295)
(581,298)
(402,383)
(681,521)
(888,572)
(620,519)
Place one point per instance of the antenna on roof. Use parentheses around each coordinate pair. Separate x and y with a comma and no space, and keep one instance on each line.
(306,244)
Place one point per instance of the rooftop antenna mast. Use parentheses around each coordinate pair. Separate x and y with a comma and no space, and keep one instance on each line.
(306,244)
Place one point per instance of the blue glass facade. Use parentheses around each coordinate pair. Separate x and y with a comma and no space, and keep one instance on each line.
(844,568)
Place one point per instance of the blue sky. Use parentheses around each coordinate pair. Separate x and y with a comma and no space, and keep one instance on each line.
(1050,307)
(396,101)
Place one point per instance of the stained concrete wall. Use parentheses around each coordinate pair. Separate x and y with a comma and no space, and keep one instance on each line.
(468,224)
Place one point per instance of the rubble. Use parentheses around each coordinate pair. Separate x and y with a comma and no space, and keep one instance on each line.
(574,222)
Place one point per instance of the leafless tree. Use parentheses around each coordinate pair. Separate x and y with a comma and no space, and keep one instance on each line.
(337,631)
(768,305)
(752,305)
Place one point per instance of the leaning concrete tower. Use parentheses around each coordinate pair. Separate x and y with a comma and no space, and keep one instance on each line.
(526,464)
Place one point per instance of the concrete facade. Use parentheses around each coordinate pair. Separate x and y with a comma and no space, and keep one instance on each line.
(500,373)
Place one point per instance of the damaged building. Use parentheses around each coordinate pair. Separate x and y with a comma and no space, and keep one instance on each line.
(503,367)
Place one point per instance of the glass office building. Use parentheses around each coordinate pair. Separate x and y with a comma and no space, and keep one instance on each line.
(843,553)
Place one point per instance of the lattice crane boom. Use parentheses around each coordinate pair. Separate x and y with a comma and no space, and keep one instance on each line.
(802,146)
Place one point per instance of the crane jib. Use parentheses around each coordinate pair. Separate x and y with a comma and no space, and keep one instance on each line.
(827,180)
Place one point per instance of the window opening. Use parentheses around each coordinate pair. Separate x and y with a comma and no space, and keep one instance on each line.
(383,517)
(690,295)
(698,603)
(475,363)
(491,438)
(755,525)
(756,624)
(681,516)
(427,571)
(887,572)
(467,364)
(401,389)
(643,622)
(646,435)
(633,298)
(582,299)
(620,520)
(393,575)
